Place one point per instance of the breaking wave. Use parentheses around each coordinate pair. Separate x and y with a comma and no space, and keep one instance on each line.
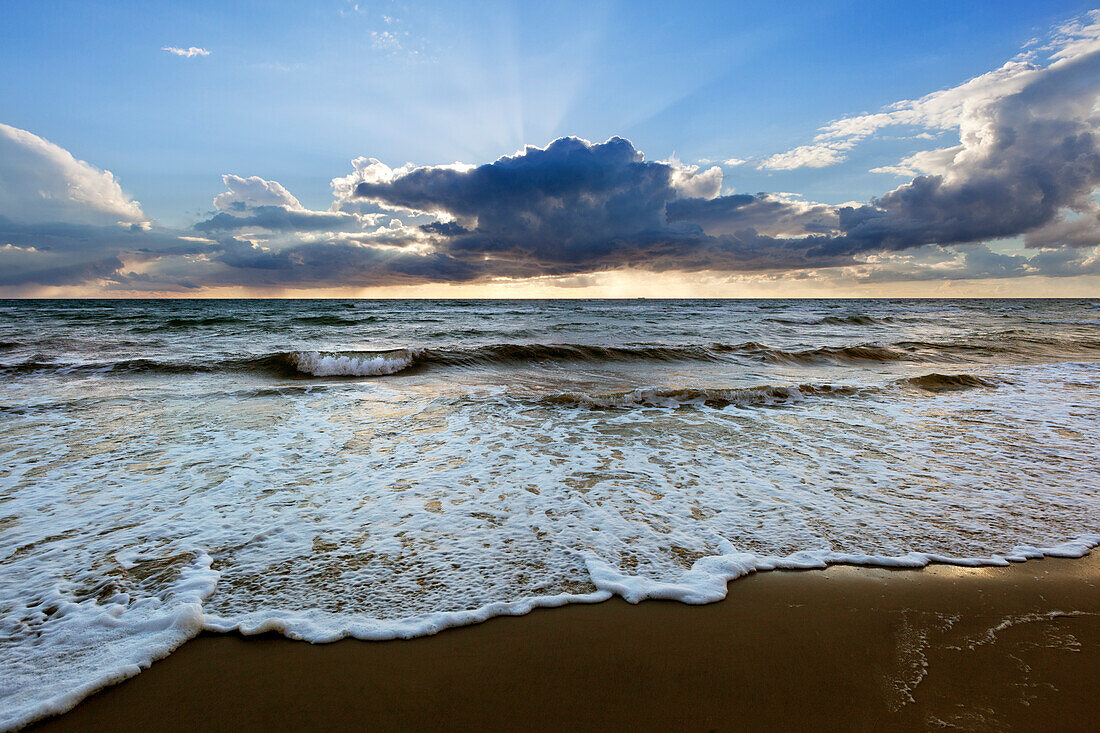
(338,365)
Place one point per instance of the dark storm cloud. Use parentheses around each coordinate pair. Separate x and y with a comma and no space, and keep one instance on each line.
(569,202)
(760,212)
(444,228)
(575,206)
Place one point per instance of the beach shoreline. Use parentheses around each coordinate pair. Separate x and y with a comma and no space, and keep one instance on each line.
(849,647)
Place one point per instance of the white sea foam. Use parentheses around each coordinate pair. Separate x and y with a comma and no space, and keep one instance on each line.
(59,647)
(376,509)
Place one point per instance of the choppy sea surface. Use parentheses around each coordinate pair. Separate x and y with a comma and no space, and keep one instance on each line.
(382,469)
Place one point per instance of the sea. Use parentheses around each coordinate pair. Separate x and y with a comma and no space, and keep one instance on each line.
(384,469)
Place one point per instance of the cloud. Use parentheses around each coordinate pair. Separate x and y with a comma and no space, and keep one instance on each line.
(60,253)
(372,170)
(689,182)
(280,219)
(42,182)
(187,53)
(818,155)
(254,203)
(948,109)
(570,205)
(773,215)
(325,264)
(393,42)
(247,193)
(385,41)
(1079,228)
(65,222)
(943,110)
(925,161)
(55,273)
(1025,161)
(972,262)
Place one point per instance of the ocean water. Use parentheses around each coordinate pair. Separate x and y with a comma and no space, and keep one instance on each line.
(382,469)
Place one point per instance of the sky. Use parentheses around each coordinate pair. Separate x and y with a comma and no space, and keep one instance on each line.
(523,149)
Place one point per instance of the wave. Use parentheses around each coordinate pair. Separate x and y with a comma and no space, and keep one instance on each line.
(202,321)
(714,397)
(285,364)
(376,363)
(333,320)
(948,382)
(852,320)
(183,323)
(527,353)
(37,364)
(863,352)
(759,396)
(388,362)
(339,365)
(1012,341)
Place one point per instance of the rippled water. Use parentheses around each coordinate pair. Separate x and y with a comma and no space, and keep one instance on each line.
(384,469)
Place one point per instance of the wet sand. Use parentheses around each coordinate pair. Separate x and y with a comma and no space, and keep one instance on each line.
(1014,648)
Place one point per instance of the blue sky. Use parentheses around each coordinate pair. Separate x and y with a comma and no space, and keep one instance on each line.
(292,92)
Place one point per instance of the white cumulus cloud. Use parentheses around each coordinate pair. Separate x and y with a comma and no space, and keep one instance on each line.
(187,53)
(691,182)
(43,182)
(818,155)
(251,192)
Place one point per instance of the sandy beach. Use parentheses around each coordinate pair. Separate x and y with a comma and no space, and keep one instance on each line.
(1012,648)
